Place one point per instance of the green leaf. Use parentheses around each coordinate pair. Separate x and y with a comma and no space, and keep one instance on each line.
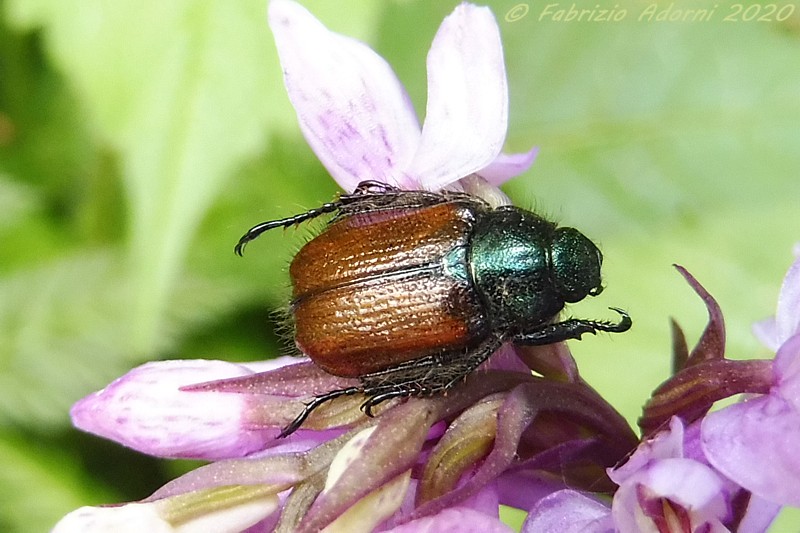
(39,485)
(185,92)
(667,142)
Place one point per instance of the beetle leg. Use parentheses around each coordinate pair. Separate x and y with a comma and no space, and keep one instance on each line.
(572,329)
(376,196)
(426,376)
(367,186)
(313,404)
(372,401)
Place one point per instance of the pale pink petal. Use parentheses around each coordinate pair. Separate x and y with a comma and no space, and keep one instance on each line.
(352,109)
(477,186)
(124,518)
(687,483)
(767,332)
(787,371)
(185,513)
(272,364)
(759,515)
(568,511)
(691,484)
(506,166)
(664,445)
(754,443)
(146,410)
(467,112)
(787,316)
(461,519)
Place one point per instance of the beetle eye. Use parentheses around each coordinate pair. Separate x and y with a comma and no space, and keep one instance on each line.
(597,290)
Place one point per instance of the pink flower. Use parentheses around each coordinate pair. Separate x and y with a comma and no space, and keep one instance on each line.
(755,442)
(667,485)
(147,411)
(358,119)
(426,463)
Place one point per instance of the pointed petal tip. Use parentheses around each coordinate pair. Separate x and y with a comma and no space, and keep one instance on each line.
(506,166)
(146,410)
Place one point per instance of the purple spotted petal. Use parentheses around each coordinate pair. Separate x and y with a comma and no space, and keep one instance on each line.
(146,410)
(507,166)
(461,519)
(352,109)
(754,443)
(568,511)
(467,113)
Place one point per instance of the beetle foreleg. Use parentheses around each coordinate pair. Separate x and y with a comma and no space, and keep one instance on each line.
(572,329)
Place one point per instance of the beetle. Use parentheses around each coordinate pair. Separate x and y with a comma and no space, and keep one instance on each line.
(410,291)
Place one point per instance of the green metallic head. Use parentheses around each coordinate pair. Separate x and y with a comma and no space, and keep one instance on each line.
(576,263)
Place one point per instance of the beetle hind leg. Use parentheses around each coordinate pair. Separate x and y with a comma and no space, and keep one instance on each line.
(295,424)
(426,376)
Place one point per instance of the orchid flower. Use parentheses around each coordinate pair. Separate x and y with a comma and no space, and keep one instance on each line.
(667,485)
(524,430)
(358,119)
(504,436)
(755,442)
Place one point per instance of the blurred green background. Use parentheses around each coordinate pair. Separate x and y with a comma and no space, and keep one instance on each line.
(138,140)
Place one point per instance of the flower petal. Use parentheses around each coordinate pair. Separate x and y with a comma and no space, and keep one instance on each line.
(196,511)
(767,332)
(694,487)
(787,316)
(352,109)
(759,515)
(664,445)
(754,443)
(461,519)
(506,166)
(131,517)
(787,371)
(568,511)
(374,508)
(467,113)
(146,410)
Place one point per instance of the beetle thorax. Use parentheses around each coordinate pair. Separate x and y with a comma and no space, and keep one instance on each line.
(511,265)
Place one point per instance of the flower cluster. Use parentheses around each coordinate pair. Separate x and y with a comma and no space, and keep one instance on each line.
(524,430)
